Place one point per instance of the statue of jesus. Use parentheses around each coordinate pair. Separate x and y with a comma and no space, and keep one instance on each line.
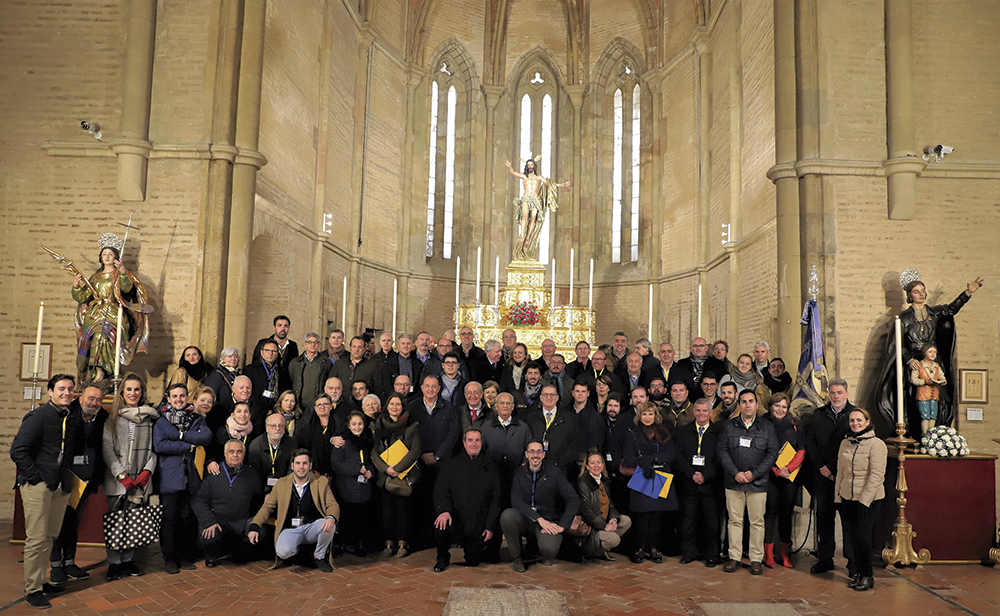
(540,195)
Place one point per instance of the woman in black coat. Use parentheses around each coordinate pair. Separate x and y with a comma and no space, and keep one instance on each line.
(649,448)
(353,467)
(780,487)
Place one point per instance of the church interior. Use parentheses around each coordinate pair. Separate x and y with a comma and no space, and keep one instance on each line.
(729,161)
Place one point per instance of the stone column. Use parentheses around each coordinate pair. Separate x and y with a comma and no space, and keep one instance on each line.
(246,165)
(133,147)
(654,79)
(703,108)
(576,94)
(218,200)
(319,235)
(785,179)
(903,165)
(493,246)
(414,76)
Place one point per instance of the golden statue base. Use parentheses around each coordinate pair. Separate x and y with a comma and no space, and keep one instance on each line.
(901,551)
(566,325)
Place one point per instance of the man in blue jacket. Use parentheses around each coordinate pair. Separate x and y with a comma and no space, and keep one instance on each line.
(747,448)
(176,435)
(542,502)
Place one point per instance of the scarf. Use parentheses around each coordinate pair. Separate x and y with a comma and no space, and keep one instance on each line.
(655,432)
(781,384)
(181,419)
(137,414)
(744,380)
(362,443)
(857,437)
(785,429)
(236,430)
(195,371)
(227,373)
(387,428)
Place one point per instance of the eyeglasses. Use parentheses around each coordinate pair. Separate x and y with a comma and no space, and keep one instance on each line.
(535,451)
(269,351)
(450,363)
(322,405)
(549,395)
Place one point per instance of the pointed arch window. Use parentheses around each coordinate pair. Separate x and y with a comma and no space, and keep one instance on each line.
(626,169)
(536,135)
(444,135)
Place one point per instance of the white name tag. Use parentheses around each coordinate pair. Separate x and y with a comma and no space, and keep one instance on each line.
(745,442)
(608,456)
(297,522)
(268,394)
(272,481)
(545,445)
(361,479)
(697,460)
(80,460)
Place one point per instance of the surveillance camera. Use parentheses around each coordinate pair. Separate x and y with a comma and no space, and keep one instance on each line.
(937,151)
(92,127)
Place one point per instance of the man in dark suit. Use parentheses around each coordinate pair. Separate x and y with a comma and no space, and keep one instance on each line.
(556,429)
(491,367)
(469,352)
(401,361)
(695,364)
(667,368)
(357,367)
(269,379)
(556,375)
(598,368)
(287,349)
(438,435)
(696,474)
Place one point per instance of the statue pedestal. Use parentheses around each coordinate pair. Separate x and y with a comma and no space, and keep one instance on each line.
(566,325)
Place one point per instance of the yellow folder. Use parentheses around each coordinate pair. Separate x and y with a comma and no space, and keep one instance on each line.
(667,480)
(76,489)
(787,453)
(199,461)
(394,454)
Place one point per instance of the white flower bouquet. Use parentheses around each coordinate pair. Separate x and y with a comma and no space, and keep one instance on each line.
(944,442)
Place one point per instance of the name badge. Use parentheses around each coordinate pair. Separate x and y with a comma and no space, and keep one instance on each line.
(268,394)
(297,522)
(607,456)
(745,442)
(545,445)
(272,481)
(80,460)
(697,460)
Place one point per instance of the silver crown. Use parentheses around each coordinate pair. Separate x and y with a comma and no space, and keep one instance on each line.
(110,240)
(908,277)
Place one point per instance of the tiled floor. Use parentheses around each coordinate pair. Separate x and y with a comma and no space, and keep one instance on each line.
(403,587)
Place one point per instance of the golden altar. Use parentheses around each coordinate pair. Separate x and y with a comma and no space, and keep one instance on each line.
(566,325)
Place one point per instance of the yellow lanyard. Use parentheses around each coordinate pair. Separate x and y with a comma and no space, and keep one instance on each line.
(62,445)
(701,434)
(548,422)
(274,453)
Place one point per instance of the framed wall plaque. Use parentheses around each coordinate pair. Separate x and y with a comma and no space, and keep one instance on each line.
(973,386)
(28,361)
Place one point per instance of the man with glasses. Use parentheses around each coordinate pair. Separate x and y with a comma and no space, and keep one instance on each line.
(357,367)
(581,363)
(556,375)
(270,453)
(536,509)
(695,364)
(599,368)
(309,371)
(435,364)
(452,381)
(269,379)
(556,430)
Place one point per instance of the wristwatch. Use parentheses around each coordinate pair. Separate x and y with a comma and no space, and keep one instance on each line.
(122,476)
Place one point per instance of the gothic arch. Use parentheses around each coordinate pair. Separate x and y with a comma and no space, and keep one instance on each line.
(464,66)
(619,49)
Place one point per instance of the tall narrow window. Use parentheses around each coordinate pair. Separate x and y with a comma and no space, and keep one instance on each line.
(525,141)
(432,173)
(546,171)
(616,181)
(449,173)
(636,99)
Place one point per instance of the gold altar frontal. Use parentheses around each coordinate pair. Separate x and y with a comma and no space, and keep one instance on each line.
(566,325)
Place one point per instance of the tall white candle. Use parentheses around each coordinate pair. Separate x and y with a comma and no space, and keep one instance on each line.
(552,320)
(38,336)
(650,321)
(899,373)
(699,309)
(496,284)
(590,298)
(395,291)
(343,309)
(118,344)
(458,277)
(571,264)
(479,264)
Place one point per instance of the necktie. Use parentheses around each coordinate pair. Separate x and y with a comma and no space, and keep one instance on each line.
(701,431)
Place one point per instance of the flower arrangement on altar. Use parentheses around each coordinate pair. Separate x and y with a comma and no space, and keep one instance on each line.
(944,442)
(523,313)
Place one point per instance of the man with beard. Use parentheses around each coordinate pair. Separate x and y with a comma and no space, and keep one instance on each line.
(680,411)
(728,409)
(309,371)
(467,501)
(776,380)
(618,352)
(356,367)
(556,375)
(529,393)
(287,349)
(695,363)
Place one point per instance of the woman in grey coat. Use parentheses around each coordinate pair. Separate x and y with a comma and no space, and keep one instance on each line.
(128,454)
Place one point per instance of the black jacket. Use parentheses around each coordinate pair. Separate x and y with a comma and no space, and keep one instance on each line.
(217,502)
(284,358)
(505,446)
(469,489)
(563,436)
(554,497)
(484,371)
(439,430)
(391,369)
(823,436)
(686,440)
(259,458)
(677,372)
(36,447)
(367,370)
(758,456)
(259,403)
(590,501)
(83,439)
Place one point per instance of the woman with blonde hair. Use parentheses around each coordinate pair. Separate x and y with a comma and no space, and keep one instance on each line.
(598,510)
(128,454)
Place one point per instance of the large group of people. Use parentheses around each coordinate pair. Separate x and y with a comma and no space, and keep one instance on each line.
(385,447)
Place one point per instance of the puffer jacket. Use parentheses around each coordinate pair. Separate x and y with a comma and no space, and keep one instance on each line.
(757,455)
(861,469)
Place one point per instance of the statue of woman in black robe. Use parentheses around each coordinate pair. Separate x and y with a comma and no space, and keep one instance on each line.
(921,325)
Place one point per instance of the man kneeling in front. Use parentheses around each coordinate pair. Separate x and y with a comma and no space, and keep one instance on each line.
(306,513)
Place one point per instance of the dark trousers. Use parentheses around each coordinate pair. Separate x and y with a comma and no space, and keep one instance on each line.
(515,526)
(826,520)
(64,546)
(699,525)
(779,510)
(396,517)
(472,546)
(355,524)
(647,524)
(178,526)
(231,539)
(424,512)
(859,522)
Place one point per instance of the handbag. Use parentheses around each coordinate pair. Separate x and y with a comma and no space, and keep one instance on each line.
(579,528)
(126,529)
(398,486)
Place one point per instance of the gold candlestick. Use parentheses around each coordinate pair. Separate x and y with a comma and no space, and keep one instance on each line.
(902,551)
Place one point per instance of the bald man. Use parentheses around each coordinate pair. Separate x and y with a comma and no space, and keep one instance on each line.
(695,364)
